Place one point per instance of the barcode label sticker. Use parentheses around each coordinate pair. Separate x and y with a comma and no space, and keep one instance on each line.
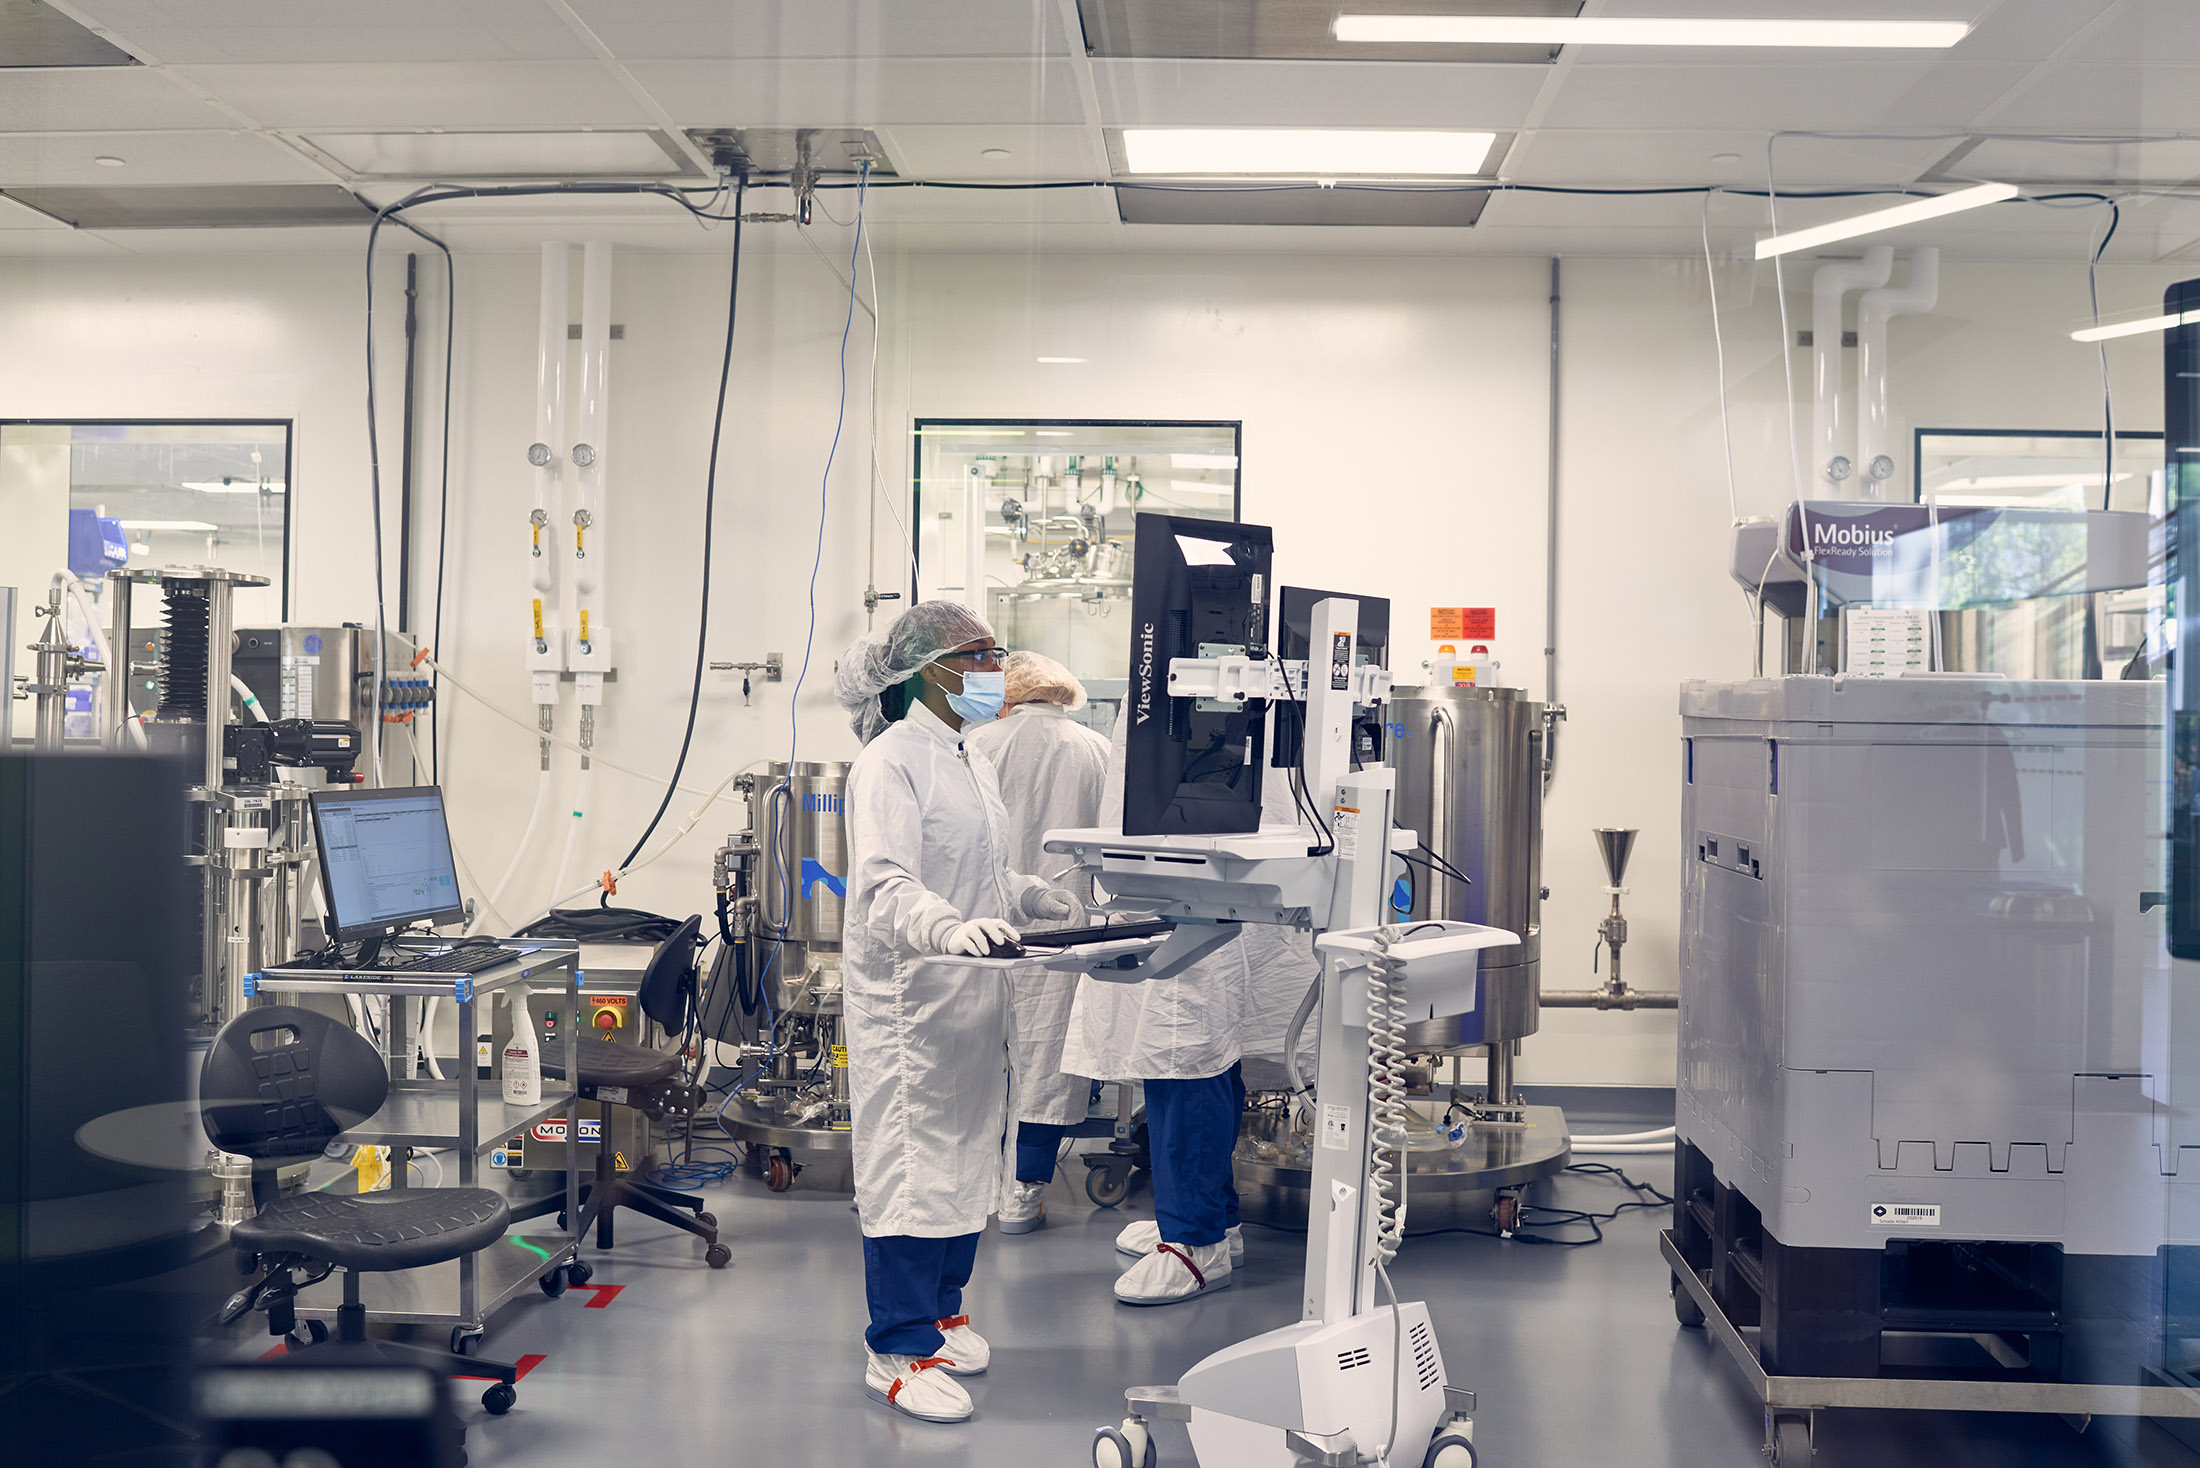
(1906,1215)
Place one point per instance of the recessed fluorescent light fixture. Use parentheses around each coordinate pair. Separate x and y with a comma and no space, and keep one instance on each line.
(183,527)
(1579,30)
(1305,152)
(1060,361)
(2135,328)
(1879,219)
(1203,461)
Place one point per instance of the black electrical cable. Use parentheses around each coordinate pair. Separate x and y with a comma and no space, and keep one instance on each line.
(2108,398)
(603,925)
(710,516)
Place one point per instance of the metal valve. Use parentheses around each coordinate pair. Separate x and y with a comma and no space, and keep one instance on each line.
(773,668)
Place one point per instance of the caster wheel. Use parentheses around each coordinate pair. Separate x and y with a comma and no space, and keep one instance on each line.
(1127,1446)
(1106,1189)
(306,1333)
(1505,1214)
(498,1400)
(780,1175)
(1791,1443)
(1450,1450)
(579,1272)
(718,1256)
(465,1342)
(1685,1308)
(553,1283)
(707,1220)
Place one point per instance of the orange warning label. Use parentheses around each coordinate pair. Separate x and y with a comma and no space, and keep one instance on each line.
(1446,622)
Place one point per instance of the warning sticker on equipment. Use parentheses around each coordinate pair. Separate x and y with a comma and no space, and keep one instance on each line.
(1906,1215)
(1337,1127)
(1344,828)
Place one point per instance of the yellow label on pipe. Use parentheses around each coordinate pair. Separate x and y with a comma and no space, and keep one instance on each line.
(584,624)
(538,539)
(840,1057)
(538,619)
(580,533)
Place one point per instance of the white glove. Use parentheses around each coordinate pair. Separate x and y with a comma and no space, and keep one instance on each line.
(978,937)
(1053,904)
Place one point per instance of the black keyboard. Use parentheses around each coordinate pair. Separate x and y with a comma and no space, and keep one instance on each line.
(1099,933)
(455,961)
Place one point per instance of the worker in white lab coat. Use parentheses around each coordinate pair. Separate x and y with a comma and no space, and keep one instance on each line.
(1052,771)
(929,875)
(1184,1036)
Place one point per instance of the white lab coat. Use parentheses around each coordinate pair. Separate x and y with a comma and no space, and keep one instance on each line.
(1237,1001)
(1053,771)
(928,1042)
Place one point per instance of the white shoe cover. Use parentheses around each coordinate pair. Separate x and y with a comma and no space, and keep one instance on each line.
(965,1351)
(916,1387)
(1143,1237)
(1170,1274)
(1023,1209)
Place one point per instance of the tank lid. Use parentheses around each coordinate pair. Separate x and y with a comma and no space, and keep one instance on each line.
(777,769)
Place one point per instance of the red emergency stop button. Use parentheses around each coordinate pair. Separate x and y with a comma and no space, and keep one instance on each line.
(607,1019)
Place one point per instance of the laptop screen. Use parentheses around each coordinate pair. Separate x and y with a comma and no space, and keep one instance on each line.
(385,860)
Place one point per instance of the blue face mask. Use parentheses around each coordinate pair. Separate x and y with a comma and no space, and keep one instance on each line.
(981,697)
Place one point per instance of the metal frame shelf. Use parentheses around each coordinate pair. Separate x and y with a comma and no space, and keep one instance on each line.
(455,1115)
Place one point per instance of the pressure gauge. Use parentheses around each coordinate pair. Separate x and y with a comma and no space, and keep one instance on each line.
(538,454)
(584,454)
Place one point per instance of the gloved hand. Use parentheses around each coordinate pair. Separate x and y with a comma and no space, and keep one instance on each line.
(1053,904)
(977,937)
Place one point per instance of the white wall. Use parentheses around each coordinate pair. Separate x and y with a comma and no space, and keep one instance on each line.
(1395,436)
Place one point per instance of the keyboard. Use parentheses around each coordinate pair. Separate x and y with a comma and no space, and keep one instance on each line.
(455,961)
(1099,933)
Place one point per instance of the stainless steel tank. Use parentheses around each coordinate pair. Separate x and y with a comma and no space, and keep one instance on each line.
(804,876)
(1470,781)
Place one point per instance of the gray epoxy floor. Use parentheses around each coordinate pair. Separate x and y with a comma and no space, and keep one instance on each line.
(1574,1352)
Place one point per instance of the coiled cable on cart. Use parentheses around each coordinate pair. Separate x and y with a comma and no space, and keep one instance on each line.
(1386,1086)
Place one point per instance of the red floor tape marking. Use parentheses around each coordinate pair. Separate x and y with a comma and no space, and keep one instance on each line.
(604,1294)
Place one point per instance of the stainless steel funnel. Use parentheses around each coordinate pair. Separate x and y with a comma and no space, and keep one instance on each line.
(1617,844)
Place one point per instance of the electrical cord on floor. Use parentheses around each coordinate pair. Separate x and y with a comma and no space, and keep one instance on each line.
(1647,1198)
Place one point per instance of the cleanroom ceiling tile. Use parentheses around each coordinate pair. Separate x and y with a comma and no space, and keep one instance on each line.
(424,94)
(1292,30)
(1314,94)
(63,243)
(107,98)
(23,216)
(35,34)
(860,93)
(2141,30)
(704,30)
(2111,96)
(1844,95)
(149,159)
(1563,156)
(340,30)
(962,152)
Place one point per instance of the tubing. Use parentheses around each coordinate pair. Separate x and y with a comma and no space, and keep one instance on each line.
(1291,1036)
(573,832)
(519,854)
(1622,1149)
(248,698)
(1661,1134)
(1827,288)
(1873,312)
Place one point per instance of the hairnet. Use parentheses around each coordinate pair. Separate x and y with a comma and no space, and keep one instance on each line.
(884,659)
(1036,678)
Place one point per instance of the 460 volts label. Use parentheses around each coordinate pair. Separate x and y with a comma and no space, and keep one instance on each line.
(1906,1215)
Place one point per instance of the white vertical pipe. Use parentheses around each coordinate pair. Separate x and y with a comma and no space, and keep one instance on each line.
(1827,288)
(1873,462)
(594,426)
(546,644)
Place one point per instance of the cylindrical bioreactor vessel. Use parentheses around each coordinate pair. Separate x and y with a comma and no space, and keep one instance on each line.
(1470,782)
(803,878)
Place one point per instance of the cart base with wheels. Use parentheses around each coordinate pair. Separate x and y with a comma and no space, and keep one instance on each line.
(1792,1403)
(1130,1444)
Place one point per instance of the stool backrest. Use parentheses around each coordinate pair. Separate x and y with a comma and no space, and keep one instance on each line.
(668,984)
(281,1083)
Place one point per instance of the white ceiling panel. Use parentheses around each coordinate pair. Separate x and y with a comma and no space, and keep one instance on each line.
(1314,93)
(2141,30)
(1839,96)
(61,243)
(1561,156)
(706,30)
(2105,97)
(105,98)
(2029,30)
(860,93)
(438,94)
(338,30)
(348,240)
(22,216)
(28,159)
(1054,152)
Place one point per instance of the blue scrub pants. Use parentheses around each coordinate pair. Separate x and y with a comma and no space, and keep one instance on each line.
(1038,1143)
(1192,1130)
(910,1284)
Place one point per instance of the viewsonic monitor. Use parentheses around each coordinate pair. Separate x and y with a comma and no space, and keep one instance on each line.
(1199,588)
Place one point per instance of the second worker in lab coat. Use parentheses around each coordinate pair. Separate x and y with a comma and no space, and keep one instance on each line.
(1052,771)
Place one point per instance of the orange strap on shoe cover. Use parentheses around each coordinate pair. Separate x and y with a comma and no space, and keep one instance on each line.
(1188,1264)
(952,1322)
(925,1364)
